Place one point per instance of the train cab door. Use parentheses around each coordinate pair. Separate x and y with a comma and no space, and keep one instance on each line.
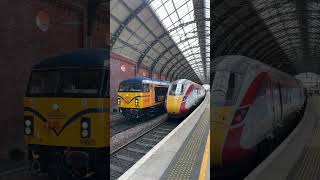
(193,95)
(152,94)
(276,96)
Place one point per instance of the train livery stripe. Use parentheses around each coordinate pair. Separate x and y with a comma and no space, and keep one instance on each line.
(70,120)
(132,98)
(183,104)
(232,152)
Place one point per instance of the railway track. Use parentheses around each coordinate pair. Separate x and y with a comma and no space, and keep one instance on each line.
(121,123)
(13,171)
(125,157)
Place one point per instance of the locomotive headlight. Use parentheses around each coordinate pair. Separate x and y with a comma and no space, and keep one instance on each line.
(119,101)
(27,122)
(85,128)
(84,125)
(136,102)
(84,133)
(28,125)
(27,130)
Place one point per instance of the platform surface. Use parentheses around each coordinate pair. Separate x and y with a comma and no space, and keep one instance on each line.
(183,154)
(188,160)
(298,157)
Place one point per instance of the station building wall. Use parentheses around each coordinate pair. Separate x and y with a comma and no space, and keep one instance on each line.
(123,68)
(30,31)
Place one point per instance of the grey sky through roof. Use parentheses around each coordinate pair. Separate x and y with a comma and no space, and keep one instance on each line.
(178,16)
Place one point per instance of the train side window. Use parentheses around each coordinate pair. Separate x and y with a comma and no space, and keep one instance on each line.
(146,88)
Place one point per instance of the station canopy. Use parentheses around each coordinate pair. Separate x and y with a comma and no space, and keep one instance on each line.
(282,33)
(171,37)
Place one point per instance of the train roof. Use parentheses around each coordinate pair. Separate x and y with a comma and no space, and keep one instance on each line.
(183,81)
(80,58)
(145,80)
(240,64)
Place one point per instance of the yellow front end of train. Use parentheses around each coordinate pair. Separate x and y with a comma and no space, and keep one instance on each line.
(66,115)
(70,122)
(141,97)
(133,100)
(173,104)
(220,123)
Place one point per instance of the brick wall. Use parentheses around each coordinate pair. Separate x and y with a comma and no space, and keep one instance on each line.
(117,74)
(23,44)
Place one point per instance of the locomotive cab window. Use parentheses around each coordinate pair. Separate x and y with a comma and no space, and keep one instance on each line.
(43,83)
(82,82)
(231,87)
(226,86)
(106,89)
(145,88)
(177,89)
(212,78)
(130,87)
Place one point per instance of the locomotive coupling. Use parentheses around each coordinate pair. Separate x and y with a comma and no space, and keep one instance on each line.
(35,167)
(78,162)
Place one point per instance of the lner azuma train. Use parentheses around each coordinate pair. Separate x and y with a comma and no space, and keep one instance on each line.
(141,97)
(66,115)
(251,105)
(183,96)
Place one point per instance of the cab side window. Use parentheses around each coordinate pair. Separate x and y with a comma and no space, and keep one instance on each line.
(106,87)
(145,88)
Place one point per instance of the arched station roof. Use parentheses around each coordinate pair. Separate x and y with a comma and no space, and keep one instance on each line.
(282,33)
(170,37)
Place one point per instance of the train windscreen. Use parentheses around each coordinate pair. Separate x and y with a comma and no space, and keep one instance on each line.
(225,87)
(65,83)
(81,82)
(130,87)
(43,83)
(177,89)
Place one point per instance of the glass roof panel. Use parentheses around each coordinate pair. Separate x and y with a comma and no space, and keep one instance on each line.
(284,17)
(179,16)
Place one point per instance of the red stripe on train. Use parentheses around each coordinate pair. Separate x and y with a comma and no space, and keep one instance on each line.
(183,103)
(252,90)
(232,152)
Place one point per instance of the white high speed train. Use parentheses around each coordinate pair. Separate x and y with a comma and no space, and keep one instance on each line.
(183,95)
(250,102)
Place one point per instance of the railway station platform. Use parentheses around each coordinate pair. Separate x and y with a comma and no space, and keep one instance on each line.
(183,154)
(298,157)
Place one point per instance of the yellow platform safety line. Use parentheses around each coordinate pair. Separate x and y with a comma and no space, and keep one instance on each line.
(202,174)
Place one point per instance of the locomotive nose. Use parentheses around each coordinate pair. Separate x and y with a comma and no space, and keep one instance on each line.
(226,148)
(173,104)
(220,123)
